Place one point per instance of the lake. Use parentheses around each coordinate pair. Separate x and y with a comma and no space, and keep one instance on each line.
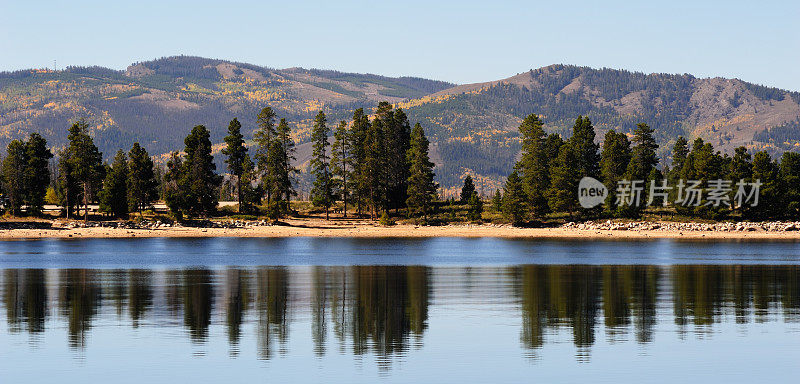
(309,310)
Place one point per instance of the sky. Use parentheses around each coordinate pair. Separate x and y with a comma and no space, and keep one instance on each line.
(458,41)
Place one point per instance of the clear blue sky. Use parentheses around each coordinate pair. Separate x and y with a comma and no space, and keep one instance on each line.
(458,41)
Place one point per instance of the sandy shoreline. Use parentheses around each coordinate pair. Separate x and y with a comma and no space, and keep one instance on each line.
(320,228)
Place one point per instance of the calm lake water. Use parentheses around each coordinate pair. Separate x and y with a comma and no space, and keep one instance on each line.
(304,310)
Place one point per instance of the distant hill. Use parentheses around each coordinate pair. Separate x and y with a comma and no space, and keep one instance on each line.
(473,127)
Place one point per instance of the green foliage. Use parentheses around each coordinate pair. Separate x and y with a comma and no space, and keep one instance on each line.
(421,187)
(385,220)
(191,183)
(467,190)
(342,163)
(142,183)
(237,155)
(613,164)
(322,195)
(514,200)
(37,172)
(790,184)
(497,201)
(475,210)
(14,175)
(114,195)
(534,164)
(85,164)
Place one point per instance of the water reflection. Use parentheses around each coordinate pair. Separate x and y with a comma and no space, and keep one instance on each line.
(384,310)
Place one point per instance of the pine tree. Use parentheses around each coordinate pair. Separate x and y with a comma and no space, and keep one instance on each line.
(564,177)
(475,207)
(14,180)
(790,184)
(173,186)
(585,150)
(375,168)
(264,138)
(398,136)
(642,163)
(322,193)
(200,180)
(67,185)
(535,163)
(643,153)
(514,200)
(37,172)
(114,195)
(284,169)
(467,190)
(421,187)
(680,151)
(358,138)
(741,169)
(767,173)
(342,162)
(497,201)
(86,163)
(142,182)
(236,152)
(614,163)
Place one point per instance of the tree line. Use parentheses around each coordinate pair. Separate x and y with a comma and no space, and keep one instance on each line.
(372,166)
(545,180)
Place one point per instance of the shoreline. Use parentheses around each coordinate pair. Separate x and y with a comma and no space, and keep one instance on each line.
(366,229)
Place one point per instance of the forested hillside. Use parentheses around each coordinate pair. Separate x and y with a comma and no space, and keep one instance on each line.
(475,125)
(472,128)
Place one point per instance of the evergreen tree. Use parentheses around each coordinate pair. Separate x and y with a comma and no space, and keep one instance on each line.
(586,152)
(421,187)
(514,205)
(398,135)
(374,168)
(643,153)
(114,195)
(564,175)
(67,185)
(14,180)
(790,184)
(475,207)
(236,152)
(284,170)
(613,164)
(342,162)
(643,161)
(767,173)
(200,180)
(741,169)
(497,201)
(173,185)
(702,164)
(142,181)
(322,193)
(358,138)
(467,190)
(37,172)
(265,163)
(534,164)
(86,163)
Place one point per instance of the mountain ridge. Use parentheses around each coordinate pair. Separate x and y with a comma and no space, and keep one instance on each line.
(472,126)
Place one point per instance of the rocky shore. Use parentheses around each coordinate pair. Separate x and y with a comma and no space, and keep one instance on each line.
(745,226)
(318,227)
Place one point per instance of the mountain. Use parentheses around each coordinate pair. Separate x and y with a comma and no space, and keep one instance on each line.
(473,127)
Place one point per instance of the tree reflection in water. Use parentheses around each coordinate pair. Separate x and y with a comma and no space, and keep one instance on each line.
(383,310)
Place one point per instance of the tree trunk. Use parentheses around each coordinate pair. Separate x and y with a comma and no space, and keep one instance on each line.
(239,192)
(85,202)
